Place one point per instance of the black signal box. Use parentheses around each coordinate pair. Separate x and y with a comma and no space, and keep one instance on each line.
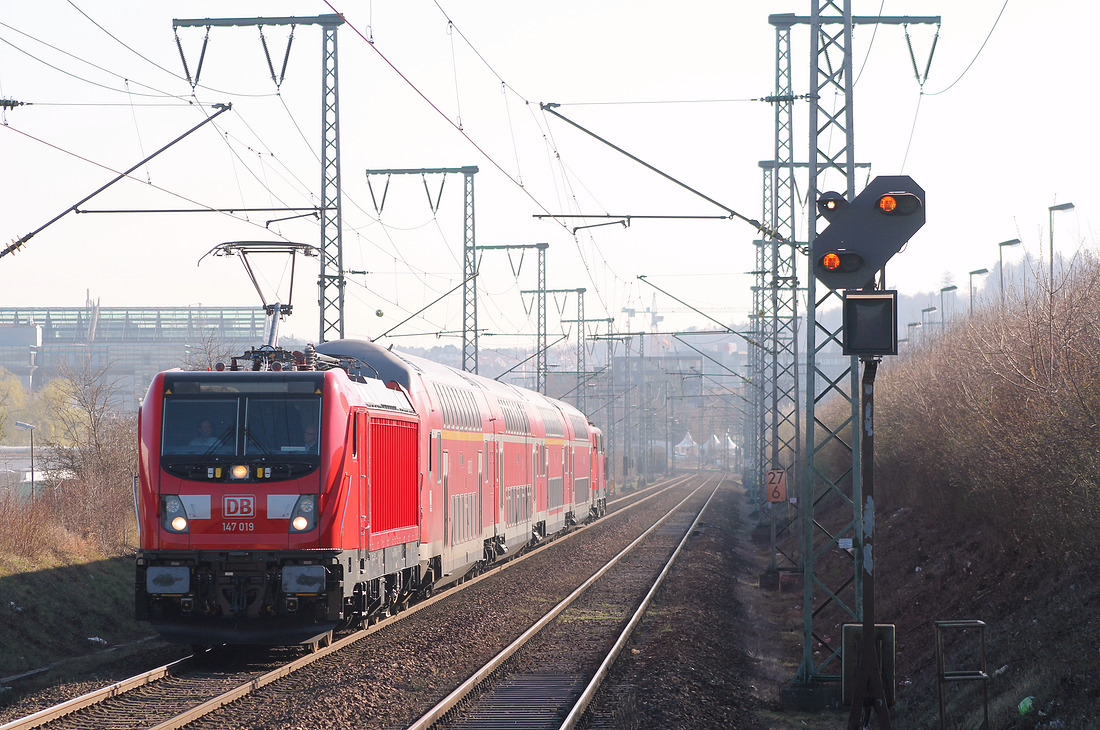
(870,322)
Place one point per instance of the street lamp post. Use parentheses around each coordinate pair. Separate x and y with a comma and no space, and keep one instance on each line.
(29,427)
(1050,226)
(911,326)
(977,272)
(926,310)
(943,309)
(1050,217)
(1001,259)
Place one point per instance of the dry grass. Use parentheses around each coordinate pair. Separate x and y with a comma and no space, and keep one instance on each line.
(24,527)
(66,519)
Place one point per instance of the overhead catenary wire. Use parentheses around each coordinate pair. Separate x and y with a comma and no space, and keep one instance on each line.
(976,55)
(19,243)
(131,103)
(236,155)
(72,75)
(151,62)
(557,157)
(732,213)
(570,188)
(492,160)
(277,79)
(642,102)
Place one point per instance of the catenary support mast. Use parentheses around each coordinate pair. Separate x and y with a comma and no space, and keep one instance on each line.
(828,600)
(330,282)
(469,255)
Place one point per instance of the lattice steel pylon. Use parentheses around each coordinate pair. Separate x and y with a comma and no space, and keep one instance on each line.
(469,273)
(540,337)
(777,273)
(581,365)
(331,280)
(540,325)
(831,155)
(785,413)
(469,247)
(755,446)
(831,491)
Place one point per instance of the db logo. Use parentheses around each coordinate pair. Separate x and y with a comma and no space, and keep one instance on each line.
(239,506)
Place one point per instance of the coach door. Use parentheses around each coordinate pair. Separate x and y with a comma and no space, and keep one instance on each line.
(492,487)
(502,489)
(446,467)
(361,482)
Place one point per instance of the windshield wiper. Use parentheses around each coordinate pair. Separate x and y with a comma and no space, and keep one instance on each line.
(214,447)
(260,446)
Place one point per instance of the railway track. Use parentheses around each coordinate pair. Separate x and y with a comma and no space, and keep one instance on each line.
(154,698)
(564,666)
(186,691)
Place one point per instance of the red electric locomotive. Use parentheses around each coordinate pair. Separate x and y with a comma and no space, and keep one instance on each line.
(294,495)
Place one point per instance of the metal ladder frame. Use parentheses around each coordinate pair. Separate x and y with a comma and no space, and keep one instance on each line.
(943,675)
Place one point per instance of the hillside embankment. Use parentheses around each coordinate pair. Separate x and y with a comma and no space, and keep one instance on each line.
(987,498)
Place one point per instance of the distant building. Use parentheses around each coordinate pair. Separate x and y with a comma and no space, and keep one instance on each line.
(135,342)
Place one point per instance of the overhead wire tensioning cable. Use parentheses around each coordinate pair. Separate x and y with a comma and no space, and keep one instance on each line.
(976,55)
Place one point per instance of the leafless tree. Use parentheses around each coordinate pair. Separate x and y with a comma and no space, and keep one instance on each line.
(210,348)
(92,462)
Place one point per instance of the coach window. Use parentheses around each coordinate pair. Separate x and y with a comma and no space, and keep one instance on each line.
(438,459)
(446,467)
(471,411)
(354,433)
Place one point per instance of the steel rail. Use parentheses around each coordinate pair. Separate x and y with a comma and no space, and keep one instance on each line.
(95,697)
(463,690)
(232,695)
(112,691)
(575,715)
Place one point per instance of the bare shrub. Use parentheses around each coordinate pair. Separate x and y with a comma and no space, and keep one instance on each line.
(25,526)
(998,419)
(95,458)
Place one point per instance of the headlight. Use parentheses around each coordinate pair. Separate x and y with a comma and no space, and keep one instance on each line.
(304,516)
(238,471)
(173,517)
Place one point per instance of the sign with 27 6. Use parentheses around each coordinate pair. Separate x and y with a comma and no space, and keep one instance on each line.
(777,485)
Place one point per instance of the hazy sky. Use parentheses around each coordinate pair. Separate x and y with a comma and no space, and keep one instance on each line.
(1000,134)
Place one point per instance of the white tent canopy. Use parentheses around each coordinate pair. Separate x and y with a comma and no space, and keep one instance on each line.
(686,446)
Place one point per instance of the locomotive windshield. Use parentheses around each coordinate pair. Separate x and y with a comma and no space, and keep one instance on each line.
(212,417)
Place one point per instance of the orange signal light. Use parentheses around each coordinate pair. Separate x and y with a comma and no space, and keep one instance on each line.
(831,261)
(888,203)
